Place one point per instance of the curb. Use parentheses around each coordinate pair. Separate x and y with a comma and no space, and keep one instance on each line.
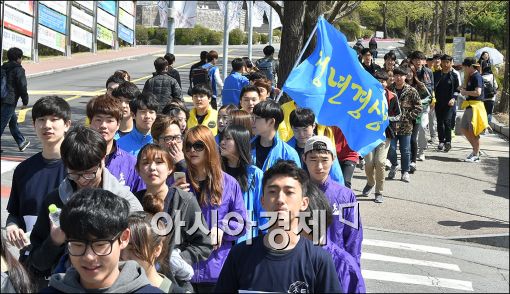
(494,240)
(499,127)
(48,72)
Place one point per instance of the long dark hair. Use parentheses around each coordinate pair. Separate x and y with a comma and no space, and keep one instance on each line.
(18,275)
(241,137)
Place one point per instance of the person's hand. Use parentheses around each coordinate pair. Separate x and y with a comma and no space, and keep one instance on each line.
(182,184)
(16,236)
(451,102)
(23,106)
(216,237)
(463,92)
(175,152)
(57,235)
(277,91)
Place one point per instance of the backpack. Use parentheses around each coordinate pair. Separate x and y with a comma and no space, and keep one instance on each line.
(488,89)
(265,65)
(200,75)
(4,86)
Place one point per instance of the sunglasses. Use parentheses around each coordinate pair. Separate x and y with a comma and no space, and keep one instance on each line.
(197,146)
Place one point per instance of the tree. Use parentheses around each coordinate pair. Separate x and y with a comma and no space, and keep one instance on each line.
(442,34)
(298,20)
(505,97)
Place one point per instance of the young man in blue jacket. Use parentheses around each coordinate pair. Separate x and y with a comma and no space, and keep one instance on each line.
(231,92)
(267,148)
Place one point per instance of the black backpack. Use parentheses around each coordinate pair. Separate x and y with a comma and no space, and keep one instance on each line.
(488,88)
(4,86)
(265,65)
(200,75)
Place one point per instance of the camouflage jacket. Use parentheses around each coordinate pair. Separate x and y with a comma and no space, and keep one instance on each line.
(410,106)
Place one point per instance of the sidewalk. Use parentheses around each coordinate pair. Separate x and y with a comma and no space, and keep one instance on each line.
(48,65)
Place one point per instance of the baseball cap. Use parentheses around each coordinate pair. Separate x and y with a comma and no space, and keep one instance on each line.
(469,61)
(320,143)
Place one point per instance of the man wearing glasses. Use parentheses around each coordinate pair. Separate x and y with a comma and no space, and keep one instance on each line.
(83,152)
(166,133)
(94,248)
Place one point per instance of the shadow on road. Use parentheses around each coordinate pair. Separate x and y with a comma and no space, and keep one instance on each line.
(443,158)
(474,224)
(498,166)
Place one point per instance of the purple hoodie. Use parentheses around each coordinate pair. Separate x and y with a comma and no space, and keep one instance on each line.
(122,165)
(231,201)
(347,269)
(343,235)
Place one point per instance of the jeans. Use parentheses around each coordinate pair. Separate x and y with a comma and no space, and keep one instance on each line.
(431,121)
(489,107)
(375,165)
(444,123)
(405,151)
(414,141)
(347,167)
(8,116)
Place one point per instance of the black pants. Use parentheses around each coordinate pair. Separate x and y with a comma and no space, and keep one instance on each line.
(347,167)
(414,141)
(203,287)
(444,123)
(489,108)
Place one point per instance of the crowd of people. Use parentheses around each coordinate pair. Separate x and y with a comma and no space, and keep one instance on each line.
(156,197)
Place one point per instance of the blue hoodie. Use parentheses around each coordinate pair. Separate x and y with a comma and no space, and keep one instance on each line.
(280,150)
(134,141)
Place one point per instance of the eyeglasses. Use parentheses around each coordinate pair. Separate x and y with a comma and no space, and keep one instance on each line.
(99,247)
(87,175)
(168,139)
(198,146)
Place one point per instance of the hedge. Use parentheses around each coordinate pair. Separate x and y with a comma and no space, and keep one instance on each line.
(188,36)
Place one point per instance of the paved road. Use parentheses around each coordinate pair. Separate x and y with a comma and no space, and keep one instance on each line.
(445,199)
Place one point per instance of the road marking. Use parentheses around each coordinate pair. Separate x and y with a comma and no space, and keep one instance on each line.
(7,165)
(23,112)
(407,246)
(389,258)
(418,280)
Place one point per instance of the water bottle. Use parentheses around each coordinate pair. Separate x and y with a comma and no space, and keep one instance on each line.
(54,214)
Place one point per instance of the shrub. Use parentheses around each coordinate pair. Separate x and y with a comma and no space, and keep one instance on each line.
(264,38)
(142,36)
(235,37)
(350,29)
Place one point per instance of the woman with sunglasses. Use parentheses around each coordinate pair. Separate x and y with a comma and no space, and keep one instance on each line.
(218,194)
(154,165)
(236,159)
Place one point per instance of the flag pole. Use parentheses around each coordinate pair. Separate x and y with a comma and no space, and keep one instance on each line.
(302,52)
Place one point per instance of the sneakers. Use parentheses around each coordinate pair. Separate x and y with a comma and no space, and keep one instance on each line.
(387,165)
(447,146)
(378,198)
(472,158)
(412,167)
(361,164)
(393,171)
(421,157)
(24,145)
(405,177)
(367,190)
(440,147)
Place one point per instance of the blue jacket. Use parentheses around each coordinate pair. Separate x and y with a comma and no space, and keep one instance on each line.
(134,141)
(252,200)
(212,70)
(209,270)
(122,165)
(232,88)
(280,150)
(336,171)
(343,235)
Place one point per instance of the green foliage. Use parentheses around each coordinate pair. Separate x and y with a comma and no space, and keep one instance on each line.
(277,32)
(471,47)
(255,38)
(350,29)
(235,37)
(264,38)
(142,35)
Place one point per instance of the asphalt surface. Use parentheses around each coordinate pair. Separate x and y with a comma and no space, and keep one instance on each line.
(446,199)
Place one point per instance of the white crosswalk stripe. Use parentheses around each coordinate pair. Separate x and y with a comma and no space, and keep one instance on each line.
(395,262)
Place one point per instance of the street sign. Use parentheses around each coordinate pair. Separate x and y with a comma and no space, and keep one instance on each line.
(459,45)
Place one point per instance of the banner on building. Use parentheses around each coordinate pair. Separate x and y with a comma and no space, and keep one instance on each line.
(13,39)
(82,16)
(126,34)
(87,4)
(51,39)
(106,19)
(81,36)
(60,6)
(25,6)
(126,19)
(17,21)
(105,35)
(52,19)
(128,6)
(108,6)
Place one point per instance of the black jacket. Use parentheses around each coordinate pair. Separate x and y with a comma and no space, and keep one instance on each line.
(16,83)
(164,87)
(175,74)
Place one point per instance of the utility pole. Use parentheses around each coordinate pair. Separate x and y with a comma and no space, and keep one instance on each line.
(225,41)
(250,30)
(171,28)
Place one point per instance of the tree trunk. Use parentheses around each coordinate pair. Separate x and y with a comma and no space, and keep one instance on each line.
(434,22)
(292,38)
(313,10)
(385,15)
(457,12)
(505,97)
(442,36)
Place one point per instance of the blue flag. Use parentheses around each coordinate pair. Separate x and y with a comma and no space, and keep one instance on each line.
(334,84)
